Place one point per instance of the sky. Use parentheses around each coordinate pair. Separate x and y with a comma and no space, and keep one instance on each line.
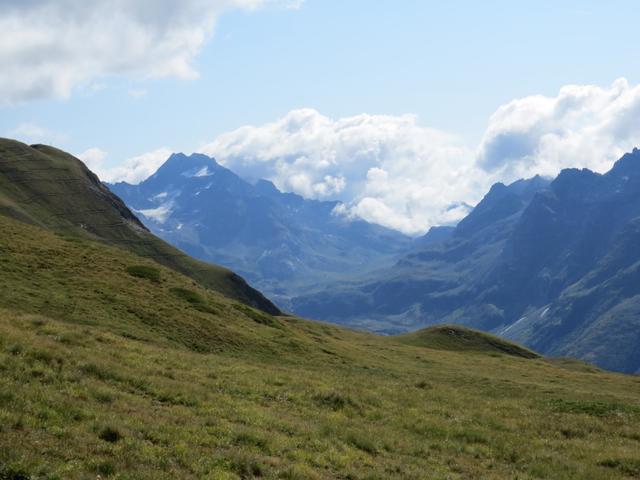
(405,110)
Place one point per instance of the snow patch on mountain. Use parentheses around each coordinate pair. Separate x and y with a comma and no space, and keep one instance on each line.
(159,214)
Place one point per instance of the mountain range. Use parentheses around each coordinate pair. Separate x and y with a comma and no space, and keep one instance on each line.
(554,265)
(283,244)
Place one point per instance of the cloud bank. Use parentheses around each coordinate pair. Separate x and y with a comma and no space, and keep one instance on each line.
(583,126)
(392,171)
(388,169)
(50,47)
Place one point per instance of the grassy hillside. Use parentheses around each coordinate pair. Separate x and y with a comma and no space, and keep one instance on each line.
(50,188)
(112,365)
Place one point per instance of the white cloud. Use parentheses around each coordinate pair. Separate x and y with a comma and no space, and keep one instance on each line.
(94,159)
(387,169)
(32,133)
(584,126)
(392,171)
(50,47)
(133,170)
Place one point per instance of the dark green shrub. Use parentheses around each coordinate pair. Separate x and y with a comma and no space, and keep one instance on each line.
(109,434)
(8,473)
(587,407)
(256,316)
(144,271)
(423,385)
(189,295)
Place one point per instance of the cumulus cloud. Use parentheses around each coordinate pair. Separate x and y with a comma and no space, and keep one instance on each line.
(583,126)
(387,169)
(94,159)
(49,47)
(392,171)
(133,170)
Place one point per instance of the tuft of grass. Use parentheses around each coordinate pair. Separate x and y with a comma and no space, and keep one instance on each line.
(104,396)
(471,436)
(627,466)
(335,401)
(247,466)
(363,441)
(145,271)
(105,468)
(99,372)
(250,439)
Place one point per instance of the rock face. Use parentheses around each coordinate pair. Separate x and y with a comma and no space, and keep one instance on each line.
(282,243)
(554,265)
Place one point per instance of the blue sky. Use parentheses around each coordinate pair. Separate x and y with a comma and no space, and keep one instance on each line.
(451,64)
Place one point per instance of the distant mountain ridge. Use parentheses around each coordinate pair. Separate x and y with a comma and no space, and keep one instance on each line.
(430,282)
(553,265)
(282,243)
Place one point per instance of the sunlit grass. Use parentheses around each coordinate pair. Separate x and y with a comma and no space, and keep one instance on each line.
(104,373)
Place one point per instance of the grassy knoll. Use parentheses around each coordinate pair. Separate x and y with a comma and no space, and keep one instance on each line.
(457,337)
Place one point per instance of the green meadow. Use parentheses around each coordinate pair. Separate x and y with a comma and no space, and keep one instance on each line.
(113,366)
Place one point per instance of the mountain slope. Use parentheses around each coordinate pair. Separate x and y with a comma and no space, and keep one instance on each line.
(589,224)
(112,370)
(282,243)
(52,189)
(553,266)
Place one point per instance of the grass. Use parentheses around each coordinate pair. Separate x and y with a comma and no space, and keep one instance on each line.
(630,467)
(112,375)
